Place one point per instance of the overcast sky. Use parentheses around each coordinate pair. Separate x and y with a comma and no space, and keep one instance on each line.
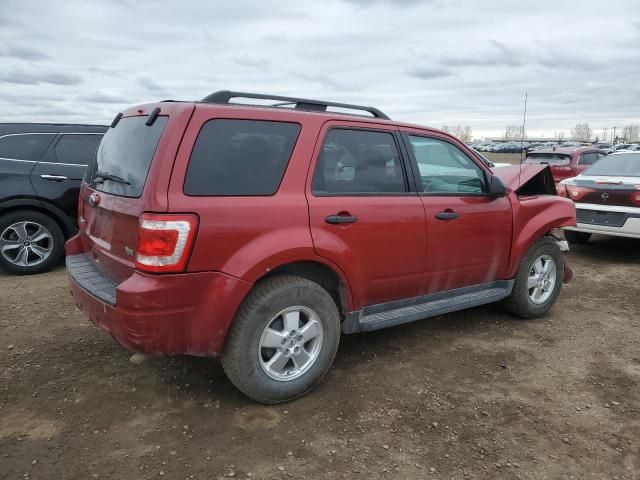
(432,62)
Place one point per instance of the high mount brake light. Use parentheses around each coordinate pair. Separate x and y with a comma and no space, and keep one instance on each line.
(165,241)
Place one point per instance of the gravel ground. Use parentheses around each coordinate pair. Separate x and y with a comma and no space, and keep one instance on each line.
(475,394)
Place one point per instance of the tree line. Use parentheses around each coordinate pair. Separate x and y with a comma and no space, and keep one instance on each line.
(582,132)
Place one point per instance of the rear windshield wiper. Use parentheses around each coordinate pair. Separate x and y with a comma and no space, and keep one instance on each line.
(100,177)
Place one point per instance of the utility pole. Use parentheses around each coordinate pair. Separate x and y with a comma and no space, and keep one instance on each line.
(613,139)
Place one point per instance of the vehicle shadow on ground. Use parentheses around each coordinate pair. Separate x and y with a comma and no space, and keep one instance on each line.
(205,380)
(60,266)
(610,250)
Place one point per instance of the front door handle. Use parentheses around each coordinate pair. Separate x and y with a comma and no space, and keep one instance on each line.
(339,219)
(54,178)
(447,215)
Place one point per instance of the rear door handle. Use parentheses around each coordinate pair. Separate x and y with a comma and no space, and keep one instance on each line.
(338,219)
(447,215)
(54,178)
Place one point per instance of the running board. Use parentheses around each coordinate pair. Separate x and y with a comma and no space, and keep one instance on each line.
(388,314)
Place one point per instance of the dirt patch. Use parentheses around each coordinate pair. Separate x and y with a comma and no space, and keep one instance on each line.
(476,394)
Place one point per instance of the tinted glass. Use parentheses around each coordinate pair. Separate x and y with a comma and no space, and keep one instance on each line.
(358,161)
(619,165)
(588,158)
(24,147)
(444,168)
(126,151)
(77,149)
(240,157)
(550,158)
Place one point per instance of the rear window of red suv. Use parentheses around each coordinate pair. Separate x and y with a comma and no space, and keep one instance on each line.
(240,157)
(550,158)
(126,152)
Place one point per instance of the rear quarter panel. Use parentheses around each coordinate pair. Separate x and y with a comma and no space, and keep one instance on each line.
(248,236)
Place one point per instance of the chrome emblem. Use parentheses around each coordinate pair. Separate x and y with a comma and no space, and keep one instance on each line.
(604,196)
(128,251)
(94,199)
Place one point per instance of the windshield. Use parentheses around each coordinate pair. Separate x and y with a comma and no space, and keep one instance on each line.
(618,165)
(123,158)
(550,158)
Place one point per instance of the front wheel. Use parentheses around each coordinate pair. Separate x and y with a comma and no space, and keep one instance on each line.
(283,339)
(538,280)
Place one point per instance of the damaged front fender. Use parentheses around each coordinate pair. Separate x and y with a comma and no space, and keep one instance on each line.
(537,209)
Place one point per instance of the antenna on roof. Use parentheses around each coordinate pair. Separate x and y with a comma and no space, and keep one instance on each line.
(524,124)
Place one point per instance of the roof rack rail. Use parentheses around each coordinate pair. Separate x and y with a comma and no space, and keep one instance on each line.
(224,96)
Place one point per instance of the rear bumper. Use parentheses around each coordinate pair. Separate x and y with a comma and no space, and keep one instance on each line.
(186,313)
(625,221)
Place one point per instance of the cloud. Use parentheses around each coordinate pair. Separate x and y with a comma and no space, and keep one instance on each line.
(249,61)
(23,52)
(392,3)
(103,97)
(427,62)
(151,85)
(428,72)
(34,77)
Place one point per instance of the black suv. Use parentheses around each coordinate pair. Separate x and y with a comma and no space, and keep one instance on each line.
(41,168)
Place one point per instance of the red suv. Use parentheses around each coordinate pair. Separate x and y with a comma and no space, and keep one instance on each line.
(261,233)
(566,162)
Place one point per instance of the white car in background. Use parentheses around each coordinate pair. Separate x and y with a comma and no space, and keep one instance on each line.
(607,198)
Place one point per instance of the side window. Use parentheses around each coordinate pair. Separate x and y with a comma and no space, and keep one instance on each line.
(29,146)
(240,157)
(77,149)
(444,168)
(358,161)
(588,158)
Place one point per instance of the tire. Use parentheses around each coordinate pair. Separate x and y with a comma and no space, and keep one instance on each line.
(246,359)
(45,240)
(522,301)
(579,238)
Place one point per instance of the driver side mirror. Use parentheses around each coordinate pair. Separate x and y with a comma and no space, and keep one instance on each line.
(496,187)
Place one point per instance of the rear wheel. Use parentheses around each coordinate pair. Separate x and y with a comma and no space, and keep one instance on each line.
(538,280)
(579,238)
(30,242)
(283,339)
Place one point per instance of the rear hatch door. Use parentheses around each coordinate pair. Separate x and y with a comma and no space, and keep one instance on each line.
(129,176)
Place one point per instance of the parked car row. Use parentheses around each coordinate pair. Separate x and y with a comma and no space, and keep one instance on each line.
(517,147)
(510,147)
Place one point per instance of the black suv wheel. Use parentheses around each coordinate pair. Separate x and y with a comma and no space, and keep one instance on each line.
(30,242)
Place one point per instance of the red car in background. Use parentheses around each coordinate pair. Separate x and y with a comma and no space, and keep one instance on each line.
(566,162)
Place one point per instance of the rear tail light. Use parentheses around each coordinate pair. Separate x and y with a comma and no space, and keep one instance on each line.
(165,242)
(635,198)
(576,193)
(561,189)
(563,168)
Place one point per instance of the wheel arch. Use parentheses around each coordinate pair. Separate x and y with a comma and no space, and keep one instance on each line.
(62,219)
(329,277)
(535,218)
